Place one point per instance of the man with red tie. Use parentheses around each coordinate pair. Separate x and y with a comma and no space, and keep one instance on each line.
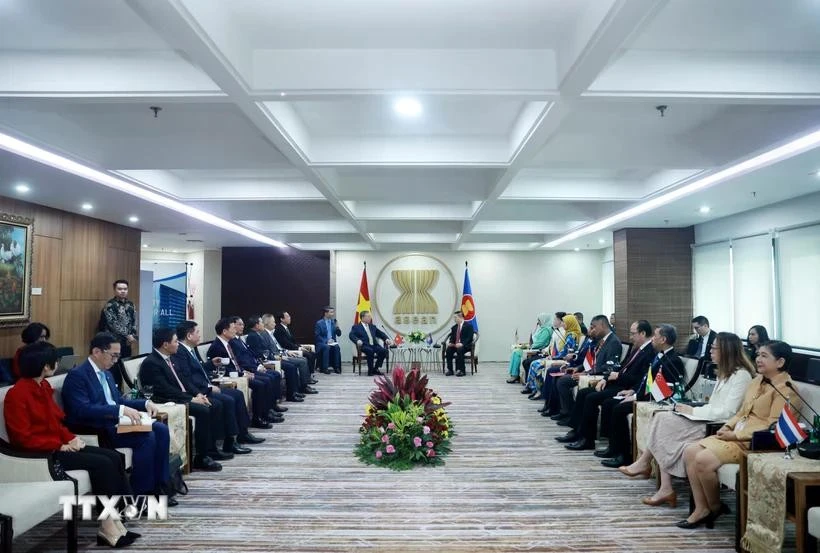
(459,343)
(158,371)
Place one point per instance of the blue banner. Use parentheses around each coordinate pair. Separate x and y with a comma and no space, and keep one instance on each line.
(170,300)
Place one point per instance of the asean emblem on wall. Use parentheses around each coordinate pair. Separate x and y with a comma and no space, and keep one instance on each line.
(415,292)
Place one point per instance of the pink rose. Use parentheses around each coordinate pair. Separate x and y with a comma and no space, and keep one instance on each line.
(385,438)
(429,444)
(426,429)
(391,426)
(430,453)
(379,454)
(417,441)
(390,449)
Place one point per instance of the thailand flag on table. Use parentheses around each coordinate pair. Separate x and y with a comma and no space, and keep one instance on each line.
(589,361)
(788,431)
(660,389)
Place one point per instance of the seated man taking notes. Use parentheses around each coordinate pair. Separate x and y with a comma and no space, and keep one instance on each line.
(325,332)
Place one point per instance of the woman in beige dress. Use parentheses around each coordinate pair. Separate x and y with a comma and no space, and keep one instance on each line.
(761,407)
(670,433)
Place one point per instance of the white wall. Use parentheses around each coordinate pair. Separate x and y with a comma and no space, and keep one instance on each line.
(205,283)
(608,282)
(509,288)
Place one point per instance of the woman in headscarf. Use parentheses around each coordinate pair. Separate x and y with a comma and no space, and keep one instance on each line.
(540,338)
(569,337)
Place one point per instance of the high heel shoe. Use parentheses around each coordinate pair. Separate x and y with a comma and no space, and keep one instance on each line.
(536,397)
(512,380)
(121,541)
(671,498)
(644,474)
(722,510)
(708,521)
(526,391)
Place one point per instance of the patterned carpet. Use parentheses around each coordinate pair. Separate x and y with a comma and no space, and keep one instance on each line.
(508,486)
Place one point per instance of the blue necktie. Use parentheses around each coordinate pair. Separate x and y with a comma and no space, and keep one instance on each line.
(106,388)
(327,324)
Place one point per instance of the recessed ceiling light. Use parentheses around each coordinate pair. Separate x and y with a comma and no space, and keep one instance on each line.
(87,206)
(705,209)
(601,241)
(133,218)
(407,107)
(22,188)
(173,251)
(145,245)
(283,94)
(577,249)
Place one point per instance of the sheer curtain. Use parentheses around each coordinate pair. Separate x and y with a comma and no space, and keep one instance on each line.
(753,283)
(712,284)
(799,275)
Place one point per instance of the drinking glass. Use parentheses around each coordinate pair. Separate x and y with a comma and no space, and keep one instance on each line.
(148,392)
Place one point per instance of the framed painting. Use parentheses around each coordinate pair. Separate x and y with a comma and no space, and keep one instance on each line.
(16,236)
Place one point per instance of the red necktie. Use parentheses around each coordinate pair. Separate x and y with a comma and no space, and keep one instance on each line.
(631,359)
(230,355)
(171,365)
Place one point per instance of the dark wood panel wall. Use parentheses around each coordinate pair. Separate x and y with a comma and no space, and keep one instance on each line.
(653,278)
(260,280)
(75,259)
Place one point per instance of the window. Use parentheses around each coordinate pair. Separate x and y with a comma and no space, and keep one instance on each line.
(799,274)
(752,274)
(712,287)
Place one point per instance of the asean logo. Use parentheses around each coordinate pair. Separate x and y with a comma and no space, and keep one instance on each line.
(467,307)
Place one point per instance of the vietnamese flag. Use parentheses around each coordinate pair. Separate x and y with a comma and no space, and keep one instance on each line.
(364,296)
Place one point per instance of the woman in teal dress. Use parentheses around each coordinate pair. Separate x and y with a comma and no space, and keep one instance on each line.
(540,338)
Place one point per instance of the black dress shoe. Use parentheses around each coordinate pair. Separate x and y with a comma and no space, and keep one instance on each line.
(217,455)
(461,373)
(377,372)
(276,420)
(324,371)
(527,391)
(563,422)
(337,371)
(580,445)
(615,462)
(557,416)
(206,463)
(172,502)
(310,390)
(449,373)
(569,438)
(122,541)
(296,399)
(545,413)
(261,424)
(248,438)
(237,450)
(132,535)
(279,409)
(314,381)
(604,453)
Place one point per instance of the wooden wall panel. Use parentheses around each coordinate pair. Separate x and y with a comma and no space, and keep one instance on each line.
(75,260)
(653,277)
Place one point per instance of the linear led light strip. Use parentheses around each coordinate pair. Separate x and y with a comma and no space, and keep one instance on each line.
(780,153)
(51,159)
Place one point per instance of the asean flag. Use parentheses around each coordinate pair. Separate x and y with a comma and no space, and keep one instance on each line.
(364,297)
(467,301)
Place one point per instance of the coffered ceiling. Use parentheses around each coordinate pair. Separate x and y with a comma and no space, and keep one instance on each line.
(395,125)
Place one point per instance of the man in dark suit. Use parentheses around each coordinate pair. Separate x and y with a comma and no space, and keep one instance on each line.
(258,347)
(617,409)
(608,351)
(263,393)
(296,357)
(91,399)
(286,339)
(325,332)
(246,359)
(158,370)
(458,344)
(700,347)
(194,370)
(584,418)
(365,336)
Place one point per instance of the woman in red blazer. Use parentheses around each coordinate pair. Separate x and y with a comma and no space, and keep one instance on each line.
(35,423)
